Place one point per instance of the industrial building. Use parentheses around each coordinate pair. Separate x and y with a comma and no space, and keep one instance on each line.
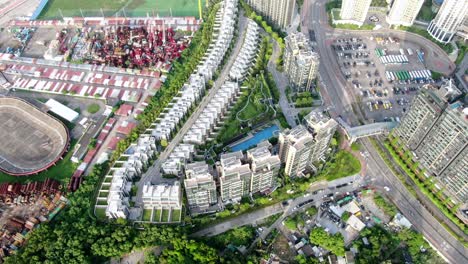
(354,11)
(279,12)
(234,177)
(265,168)
(301,64)
(450,18)
(404,12)
(200,187)
(435,130)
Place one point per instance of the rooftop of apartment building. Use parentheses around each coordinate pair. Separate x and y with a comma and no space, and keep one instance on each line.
(299,44)
(297,135)
(442,95)
(162,190)
(317,119)
(193,170)
(231,160)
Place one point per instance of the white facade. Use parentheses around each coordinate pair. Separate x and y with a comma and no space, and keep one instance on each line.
(195,86)
(295,148)
(354,11)
(322,128)
(449,19)
(280,12)
(118,182)
(234,177)
(300,62)
(246,54)
(200,186)
(62,110)
(404,12)
(162,196)
(265,168)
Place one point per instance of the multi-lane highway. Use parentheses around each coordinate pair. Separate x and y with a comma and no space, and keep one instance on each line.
(339,98)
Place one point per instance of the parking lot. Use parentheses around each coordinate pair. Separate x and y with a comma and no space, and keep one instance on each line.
(384,72)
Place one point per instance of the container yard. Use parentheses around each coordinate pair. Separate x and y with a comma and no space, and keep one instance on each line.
(17,222)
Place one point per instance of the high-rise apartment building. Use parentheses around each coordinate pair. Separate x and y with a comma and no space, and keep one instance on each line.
(425,109)
(354,11)
(234,177)
(200,186)
(435,129)
(295,148)
(454,176)
(279,12)
(322,128)
(300,62)
(404,12)
(265,168)
(302,146)
(450,17)
(445,140)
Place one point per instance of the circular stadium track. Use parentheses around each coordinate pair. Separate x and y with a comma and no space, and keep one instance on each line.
(30,140)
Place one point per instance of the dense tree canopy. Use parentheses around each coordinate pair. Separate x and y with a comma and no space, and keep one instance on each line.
(333,243)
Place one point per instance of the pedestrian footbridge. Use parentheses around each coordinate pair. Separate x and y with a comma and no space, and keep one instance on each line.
(354,133)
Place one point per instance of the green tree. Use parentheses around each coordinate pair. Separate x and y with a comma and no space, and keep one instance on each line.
(333,243)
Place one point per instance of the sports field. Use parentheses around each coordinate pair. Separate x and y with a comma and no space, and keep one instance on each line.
(30,140)
(133,8)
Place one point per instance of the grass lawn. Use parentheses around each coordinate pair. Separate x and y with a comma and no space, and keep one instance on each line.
(93,108)
(103,194)
(89,8)
(147,214)
(426,13)
(165,215)
(175,217)
(100,213)
(162,7)
(101,202)
(62,171)
(108,179)
(462,48)
(344,164)
(157,215)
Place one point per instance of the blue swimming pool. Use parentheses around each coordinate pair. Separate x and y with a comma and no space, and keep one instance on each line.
(257,138)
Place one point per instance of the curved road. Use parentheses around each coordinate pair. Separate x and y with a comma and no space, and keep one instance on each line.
(339,97)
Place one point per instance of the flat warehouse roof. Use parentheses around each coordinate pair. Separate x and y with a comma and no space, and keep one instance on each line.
(62,110)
